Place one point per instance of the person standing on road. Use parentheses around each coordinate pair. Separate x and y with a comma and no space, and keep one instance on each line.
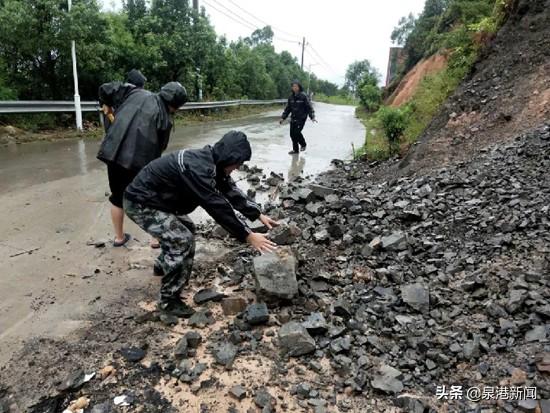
(168,189)
(299,106)
(138,135)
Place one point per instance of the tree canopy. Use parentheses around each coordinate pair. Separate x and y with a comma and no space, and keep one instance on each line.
(165,39)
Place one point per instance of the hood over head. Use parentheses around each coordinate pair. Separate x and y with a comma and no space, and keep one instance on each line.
(136,78)
(233,148)
(297,82)
(173,94)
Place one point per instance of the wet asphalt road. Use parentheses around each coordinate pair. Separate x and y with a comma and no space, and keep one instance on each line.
(36,163)
(53,202)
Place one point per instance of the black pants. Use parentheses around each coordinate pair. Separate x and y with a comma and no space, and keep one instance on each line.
(296,134)
(119,179)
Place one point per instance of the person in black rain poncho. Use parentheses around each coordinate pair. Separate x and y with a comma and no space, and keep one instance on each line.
(299,107)
(138,135)
(169,188)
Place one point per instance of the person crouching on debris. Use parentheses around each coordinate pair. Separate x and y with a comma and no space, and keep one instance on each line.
(300,107)
(139,134)
(165,191)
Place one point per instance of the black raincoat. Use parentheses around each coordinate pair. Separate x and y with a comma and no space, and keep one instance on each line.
(181,181)
(299,106)
(142,124)
(136,78)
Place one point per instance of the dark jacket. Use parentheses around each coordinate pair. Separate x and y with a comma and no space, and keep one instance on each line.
(181,181)
(136,78)
(299,106)
(142,124)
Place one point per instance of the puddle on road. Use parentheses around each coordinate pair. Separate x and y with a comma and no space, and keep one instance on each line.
(41,162)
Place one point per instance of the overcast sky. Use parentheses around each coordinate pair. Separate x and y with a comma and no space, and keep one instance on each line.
(337,32)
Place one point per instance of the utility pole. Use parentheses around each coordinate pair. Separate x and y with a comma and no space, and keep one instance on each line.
(198,82)
(303,50)
(77,106)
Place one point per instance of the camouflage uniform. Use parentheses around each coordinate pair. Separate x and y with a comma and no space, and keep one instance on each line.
(176,237)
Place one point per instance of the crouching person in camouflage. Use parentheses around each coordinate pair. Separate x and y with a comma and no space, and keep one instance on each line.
(169,188)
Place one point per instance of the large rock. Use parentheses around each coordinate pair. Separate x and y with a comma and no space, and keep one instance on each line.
(295,339)
(275,274)
(225,354)
(416,296)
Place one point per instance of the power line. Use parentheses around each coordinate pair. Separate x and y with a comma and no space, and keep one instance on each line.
(235,17)
(249,24)
(323,61)
(263,21)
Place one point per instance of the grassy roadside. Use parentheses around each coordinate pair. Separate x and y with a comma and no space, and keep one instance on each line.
(335,100)
(48,132)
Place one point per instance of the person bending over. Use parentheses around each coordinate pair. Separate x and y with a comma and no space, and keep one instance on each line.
(168,189)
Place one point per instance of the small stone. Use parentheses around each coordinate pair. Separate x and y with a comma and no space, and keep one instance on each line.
(181,348)
(528,405)
(233,305)
(104,407)
(73,381)
(238,392)
(316,324)
(321,191)
(538,333)
(285,234)
(207,294)
(416,296)
(257,314)
(193,338)
(200,319)
(225,354)
(394,242)
(132,354)
(387,381)
(295,339)
(315,208)
(263,398)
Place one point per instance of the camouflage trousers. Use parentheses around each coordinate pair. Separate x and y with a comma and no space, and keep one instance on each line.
(175,234)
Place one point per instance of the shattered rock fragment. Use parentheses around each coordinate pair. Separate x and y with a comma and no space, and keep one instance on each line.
(275,274)
(295,339)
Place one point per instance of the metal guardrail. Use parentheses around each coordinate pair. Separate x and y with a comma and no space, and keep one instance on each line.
(39,106)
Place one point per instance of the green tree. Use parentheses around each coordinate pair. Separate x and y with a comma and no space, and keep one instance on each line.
(360,71)
(403,29)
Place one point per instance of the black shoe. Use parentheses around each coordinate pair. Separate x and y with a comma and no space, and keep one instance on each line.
(157,270)
(303,148)
(176,307)
(293,152)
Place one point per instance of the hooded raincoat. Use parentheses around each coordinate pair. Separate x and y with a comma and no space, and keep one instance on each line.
(142,124)
(181,181)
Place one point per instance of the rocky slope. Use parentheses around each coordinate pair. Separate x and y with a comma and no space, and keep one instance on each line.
(507,92)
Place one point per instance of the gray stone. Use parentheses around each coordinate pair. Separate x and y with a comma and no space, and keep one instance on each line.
(321,236)
(132,354)
(537,333)
(181,348)
(416,296)
(200,319)
(545,406)
(315,208)
(321,191)
(515,300)
(225,354)
(193,338)
(263,398)
(394,242)
(316,324)
(295,339)
(207,294)
(285,234)
(73,381)
(528,405)
(256,314)
(238,392)
(104,407)
(387,380)
(275,274)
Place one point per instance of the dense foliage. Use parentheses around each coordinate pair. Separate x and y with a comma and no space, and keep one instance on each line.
(166,39)
(457,28)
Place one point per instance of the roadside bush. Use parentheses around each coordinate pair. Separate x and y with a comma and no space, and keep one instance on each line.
(394,121)
(370,96)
